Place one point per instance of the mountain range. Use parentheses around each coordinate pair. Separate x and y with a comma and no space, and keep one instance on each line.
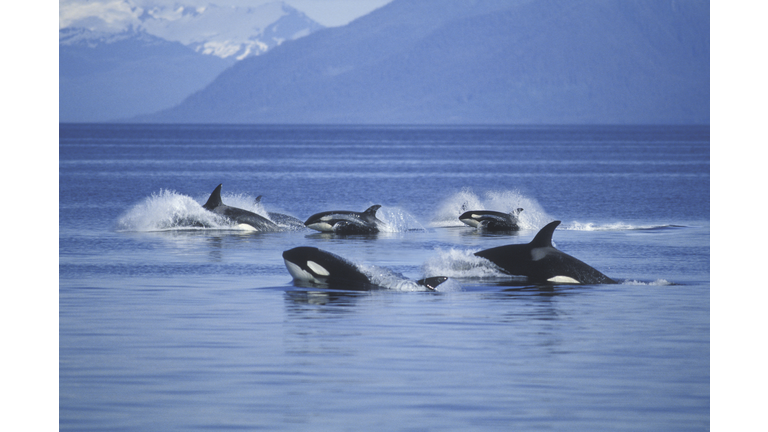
(476,62)
(126,60)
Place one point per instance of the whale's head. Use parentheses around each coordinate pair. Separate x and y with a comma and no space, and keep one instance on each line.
(319,267)
(309,264)
(321,222)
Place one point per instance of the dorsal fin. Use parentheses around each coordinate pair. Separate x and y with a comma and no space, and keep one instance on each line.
(371,211)
(214,200)
(544,237)
(257,200)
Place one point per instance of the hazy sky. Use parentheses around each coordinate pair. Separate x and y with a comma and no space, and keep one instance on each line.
(329,13)
(334,12)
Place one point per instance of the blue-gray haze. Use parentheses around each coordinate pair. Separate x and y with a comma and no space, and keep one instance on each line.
(421,61)
(484,62)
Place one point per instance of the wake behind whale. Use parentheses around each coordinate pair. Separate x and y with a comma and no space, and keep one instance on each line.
(168,210)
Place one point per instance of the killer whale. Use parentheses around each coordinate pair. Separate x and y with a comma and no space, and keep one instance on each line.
(238,215)
(284,220)
(492,220)
(320,267)
(346,222)
(541,262)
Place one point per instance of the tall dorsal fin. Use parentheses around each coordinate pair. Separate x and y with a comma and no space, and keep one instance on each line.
(214,200)
(544,237)
(371,211)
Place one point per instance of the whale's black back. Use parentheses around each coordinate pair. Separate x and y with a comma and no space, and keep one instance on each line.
(238,215)
(540,261)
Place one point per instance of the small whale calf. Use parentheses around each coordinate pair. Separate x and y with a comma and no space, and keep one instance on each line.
(540,262)
(244,218)
(319,267)
(492,220)
(346,222)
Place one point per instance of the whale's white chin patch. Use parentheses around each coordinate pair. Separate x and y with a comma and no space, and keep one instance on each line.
(563,279)
(321,226)
(317,268)
(246,227)
(471,222)
(298,273)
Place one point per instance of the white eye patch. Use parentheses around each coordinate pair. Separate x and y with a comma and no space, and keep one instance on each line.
(317,268)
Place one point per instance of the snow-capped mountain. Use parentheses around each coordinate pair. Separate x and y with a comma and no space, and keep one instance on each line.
(118,60)
(227,32)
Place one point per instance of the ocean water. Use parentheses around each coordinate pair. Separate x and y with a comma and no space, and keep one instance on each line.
(168,325)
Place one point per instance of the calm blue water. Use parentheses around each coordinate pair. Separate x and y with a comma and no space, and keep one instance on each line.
(164,328)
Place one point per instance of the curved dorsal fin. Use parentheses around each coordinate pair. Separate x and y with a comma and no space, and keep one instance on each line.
(544,237)
(214,200)
(371,211)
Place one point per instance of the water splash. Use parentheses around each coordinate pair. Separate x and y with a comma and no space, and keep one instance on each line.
(389,279)
(170,210)
(458,263)
(243,201)
(451,208)
(615,226)
(657,282)
(398,220)
(532,217)
(393,280)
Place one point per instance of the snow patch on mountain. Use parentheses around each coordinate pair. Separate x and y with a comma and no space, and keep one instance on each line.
(224,31)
